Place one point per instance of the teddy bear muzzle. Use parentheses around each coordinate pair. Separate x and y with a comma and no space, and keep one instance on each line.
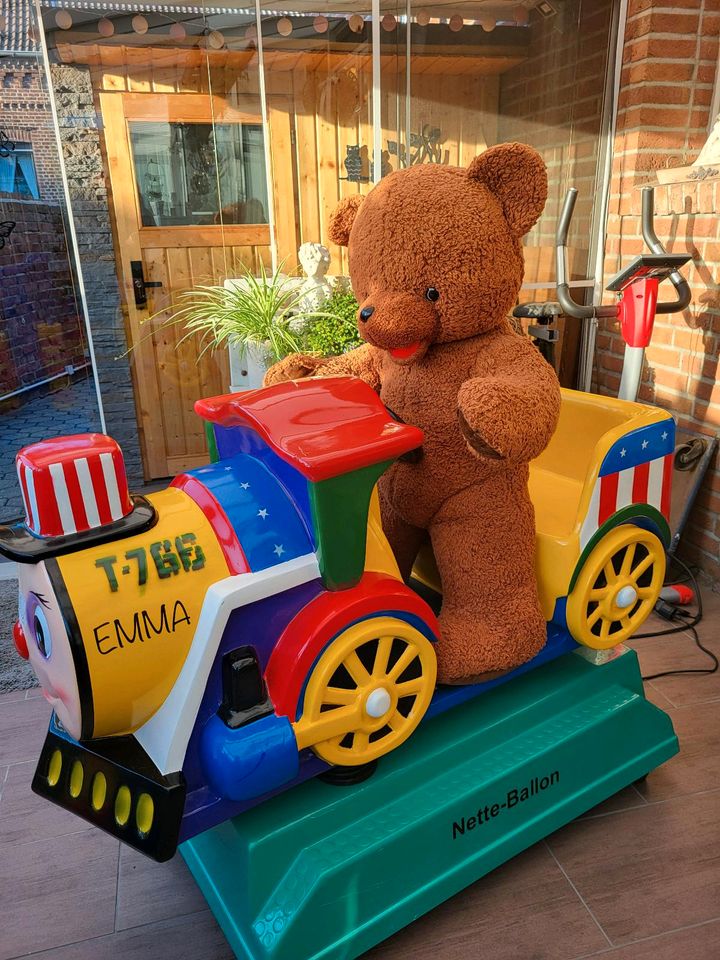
(403,324)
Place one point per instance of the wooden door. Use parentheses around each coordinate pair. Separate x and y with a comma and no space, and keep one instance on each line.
(162,238)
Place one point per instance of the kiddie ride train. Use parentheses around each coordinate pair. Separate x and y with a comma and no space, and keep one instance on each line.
(215,643)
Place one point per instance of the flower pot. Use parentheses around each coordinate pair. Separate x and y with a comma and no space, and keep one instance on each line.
(247,367)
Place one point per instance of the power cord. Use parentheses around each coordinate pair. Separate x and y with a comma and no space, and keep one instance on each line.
(688,623)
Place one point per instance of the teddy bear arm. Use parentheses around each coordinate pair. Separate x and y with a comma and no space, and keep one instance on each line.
(511,416)
(358,363)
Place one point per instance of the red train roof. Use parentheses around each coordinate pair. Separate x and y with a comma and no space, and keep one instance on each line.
(323,426)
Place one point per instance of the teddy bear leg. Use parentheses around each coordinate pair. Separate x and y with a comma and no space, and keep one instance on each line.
(490,621)
(404,539)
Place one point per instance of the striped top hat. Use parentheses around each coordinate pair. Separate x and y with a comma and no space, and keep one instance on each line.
(75,494)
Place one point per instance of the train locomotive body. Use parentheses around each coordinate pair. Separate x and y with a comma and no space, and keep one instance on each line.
(247,628)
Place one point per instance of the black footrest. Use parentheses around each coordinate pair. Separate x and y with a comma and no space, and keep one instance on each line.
(114,785)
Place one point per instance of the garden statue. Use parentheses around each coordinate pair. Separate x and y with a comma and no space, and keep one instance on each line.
(315,261)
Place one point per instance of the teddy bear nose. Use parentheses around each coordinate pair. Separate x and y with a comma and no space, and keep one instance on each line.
(366,313)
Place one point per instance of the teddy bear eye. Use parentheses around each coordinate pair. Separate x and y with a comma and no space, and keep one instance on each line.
(432,294)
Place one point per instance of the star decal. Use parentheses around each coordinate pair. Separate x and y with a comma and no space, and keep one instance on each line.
(623,452)
(279,549)
(263,513)
(664,434)
(244,486)
(644,444)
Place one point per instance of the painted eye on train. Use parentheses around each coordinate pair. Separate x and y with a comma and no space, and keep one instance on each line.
(42,633)
(38,624)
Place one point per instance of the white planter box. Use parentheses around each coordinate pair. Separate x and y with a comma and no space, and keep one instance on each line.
(247,368)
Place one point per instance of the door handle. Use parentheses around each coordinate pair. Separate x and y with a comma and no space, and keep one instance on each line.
(140,284)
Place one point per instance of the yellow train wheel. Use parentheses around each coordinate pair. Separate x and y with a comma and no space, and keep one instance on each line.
(617,587)
(367,692)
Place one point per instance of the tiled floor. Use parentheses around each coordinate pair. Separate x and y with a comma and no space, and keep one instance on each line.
(638,878)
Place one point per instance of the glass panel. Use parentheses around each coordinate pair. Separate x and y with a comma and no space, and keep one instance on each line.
(47,385)
(534,72)
(190,173)
(159,114)
(318,79)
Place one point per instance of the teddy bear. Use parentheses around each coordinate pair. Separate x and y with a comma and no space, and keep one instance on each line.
(436,263)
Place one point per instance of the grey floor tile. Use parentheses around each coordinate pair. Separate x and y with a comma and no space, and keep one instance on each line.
(23,725)
(623,800)
(196,937)
(697,766)
(679,651)
(647,871)
(26,817)
(525,909)
(149,891)
(693,943)
(56,891)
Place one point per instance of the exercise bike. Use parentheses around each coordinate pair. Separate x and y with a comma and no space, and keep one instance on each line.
(636,287)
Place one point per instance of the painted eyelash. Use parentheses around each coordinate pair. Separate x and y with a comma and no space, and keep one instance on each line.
(41,599)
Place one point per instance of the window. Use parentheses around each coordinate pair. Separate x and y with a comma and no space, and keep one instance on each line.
(194,173)
(17,170)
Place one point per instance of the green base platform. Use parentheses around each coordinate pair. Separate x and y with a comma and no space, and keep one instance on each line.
(327,871)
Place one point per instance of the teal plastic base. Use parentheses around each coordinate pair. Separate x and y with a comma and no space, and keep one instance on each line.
(327,871)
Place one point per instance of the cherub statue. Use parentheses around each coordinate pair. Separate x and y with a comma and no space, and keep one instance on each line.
(315,261)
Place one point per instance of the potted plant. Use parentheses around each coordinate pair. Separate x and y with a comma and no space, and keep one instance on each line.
(251,315)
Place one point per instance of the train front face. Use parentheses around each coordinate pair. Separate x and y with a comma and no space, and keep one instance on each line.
(107,612)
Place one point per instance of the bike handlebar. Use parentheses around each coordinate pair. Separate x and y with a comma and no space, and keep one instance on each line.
(570,307)
(582,312)
(684,295)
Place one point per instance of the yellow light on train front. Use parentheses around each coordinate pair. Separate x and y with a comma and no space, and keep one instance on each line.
(77,775)
(144,814)
(123,803)
(54,768)
(99,791)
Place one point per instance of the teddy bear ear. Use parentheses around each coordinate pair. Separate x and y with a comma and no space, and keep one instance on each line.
(517,175)
(342,219)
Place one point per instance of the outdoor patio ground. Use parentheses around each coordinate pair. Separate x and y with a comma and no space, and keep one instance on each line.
(638,878)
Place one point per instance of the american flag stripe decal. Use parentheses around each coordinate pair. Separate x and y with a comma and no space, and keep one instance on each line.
(62,498)
(111,485)
(648,482)
(88,493)
(639,483)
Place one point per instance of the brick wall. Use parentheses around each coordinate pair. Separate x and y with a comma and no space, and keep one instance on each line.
(670,61)
(553,100)
(80,133)
(41,330)
(25,116)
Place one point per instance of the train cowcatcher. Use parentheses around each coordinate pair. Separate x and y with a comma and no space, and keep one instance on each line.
(217,642)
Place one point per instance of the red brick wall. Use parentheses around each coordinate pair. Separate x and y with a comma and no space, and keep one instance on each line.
(41,329)
(25,116)
(553,100)
(670,61)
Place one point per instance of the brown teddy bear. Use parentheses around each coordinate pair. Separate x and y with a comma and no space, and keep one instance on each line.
(436,263)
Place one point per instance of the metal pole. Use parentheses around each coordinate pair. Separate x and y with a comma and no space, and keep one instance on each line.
(376,99)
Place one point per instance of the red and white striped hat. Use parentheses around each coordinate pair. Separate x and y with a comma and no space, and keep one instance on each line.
(75,491)
(72,484)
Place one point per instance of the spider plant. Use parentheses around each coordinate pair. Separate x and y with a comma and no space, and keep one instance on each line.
(252,314)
